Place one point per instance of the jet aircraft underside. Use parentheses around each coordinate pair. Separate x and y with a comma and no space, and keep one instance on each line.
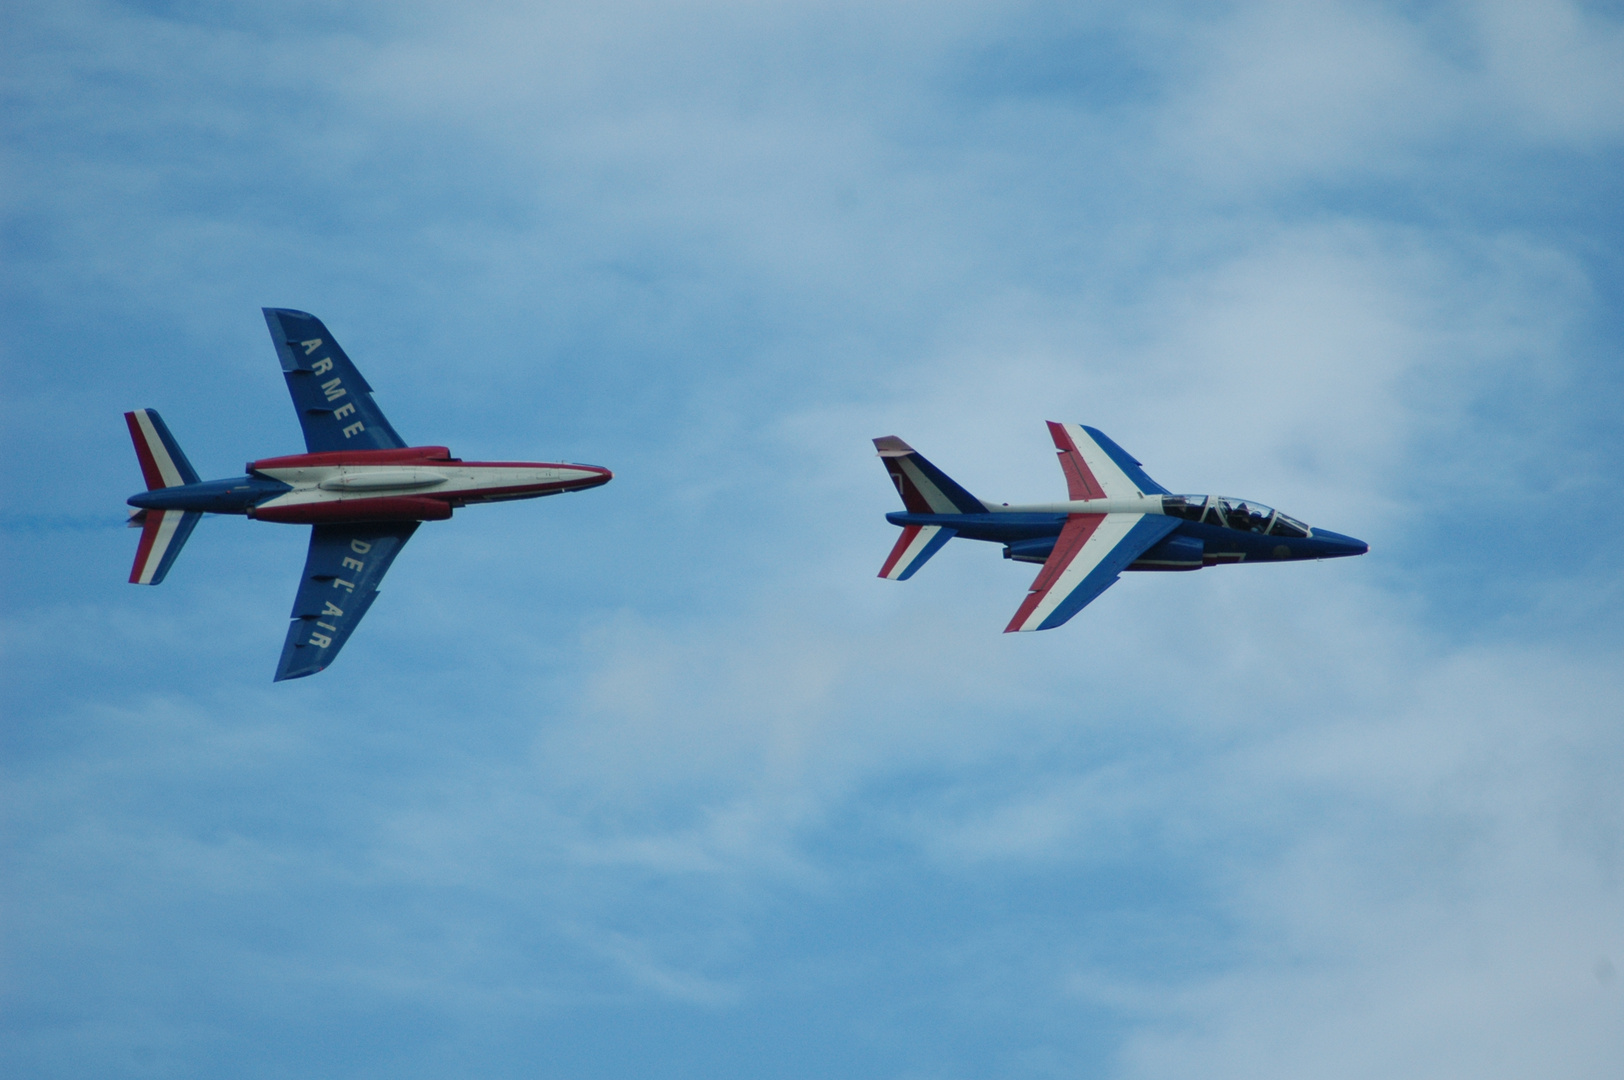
(359,486)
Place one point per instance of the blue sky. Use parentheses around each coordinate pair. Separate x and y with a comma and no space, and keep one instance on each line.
(660,780)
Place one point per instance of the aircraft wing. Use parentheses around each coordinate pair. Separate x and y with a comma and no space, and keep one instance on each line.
(340,581)
(1093,549)
(334,402)
(1096,467)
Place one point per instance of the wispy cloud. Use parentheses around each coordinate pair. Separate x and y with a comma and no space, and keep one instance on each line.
(659,778)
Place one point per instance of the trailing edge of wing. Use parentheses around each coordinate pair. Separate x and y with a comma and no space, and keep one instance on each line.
(1092,550)
(341,576)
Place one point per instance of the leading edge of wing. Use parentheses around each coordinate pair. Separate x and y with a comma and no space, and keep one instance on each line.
(333,400)
(1092,550)
(341,576)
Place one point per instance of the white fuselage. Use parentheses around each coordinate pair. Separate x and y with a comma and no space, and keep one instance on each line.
(460,482)
(1132,504)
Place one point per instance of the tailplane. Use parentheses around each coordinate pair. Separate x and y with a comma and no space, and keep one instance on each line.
(163,465)
(925,489)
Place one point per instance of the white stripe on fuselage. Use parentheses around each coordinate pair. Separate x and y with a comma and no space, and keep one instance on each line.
(334,483)
(1138,504)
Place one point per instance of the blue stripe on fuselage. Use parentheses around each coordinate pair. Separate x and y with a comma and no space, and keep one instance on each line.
(231,496)
(998,528)
(1216,539)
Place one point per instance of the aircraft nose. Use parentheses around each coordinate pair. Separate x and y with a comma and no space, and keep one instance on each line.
(1335,545)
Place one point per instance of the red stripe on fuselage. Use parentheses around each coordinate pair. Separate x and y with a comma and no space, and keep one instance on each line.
(403,455)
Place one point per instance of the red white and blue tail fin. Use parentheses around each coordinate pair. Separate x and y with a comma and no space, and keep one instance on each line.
(925,489)
(163,532)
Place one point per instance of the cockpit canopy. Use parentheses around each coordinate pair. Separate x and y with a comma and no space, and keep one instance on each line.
(1242,514)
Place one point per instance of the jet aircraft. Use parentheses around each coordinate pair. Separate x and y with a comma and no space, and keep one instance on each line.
(359,486)
(1117,518)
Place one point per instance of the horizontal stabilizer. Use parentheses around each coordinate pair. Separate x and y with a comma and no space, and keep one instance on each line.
(163,534)
(913,549)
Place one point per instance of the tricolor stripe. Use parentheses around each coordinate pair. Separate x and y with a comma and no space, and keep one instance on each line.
(913,549)
(162,536)
(1091,472)
(924,488)
(1091,551)
(162,463)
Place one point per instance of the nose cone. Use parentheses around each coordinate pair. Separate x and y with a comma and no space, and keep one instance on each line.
(1335,545)
(599,475)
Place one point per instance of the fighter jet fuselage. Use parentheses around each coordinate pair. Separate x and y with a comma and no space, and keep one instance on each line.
(416,483)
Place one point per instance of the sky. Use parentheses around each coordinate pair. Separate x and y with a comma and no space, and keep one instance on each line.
(659,779)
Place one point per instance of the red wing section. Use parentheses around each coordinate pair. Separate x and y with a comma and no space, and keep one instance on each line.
(1091,551)
(1080,480)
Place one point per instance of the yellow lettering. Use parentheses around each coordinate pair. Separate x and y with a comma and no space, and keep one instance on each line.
(311,346)
(321,641)
(343,410)
(354,564)
(332,609)
(350,585)
(353,428)
(360,547)
(327,626)
(322,366)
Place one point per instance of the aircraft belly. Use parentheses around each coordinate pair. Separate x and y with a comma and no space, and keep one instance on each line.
(313,486)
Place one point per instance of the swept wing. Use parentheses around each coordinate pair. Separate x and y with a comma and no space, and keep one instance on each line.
(334,402)
(340,581)
(1096,467)
(1092,550)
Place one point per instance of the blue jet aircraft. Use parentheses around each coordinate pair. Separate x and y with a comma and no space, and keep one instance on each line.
(1116,519)
(362,490)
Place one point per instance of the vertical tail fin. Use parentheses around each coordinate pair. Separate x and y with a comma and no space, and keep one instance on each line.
(924,488)
(163,465)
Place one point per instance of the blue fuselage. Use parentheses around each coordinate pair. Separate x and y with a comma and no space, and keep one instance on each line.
(233,495)
(1030,537)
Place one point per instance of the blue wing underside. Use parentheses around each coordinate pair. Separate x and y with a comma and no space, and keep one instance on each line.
(340,582)
(332,399)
